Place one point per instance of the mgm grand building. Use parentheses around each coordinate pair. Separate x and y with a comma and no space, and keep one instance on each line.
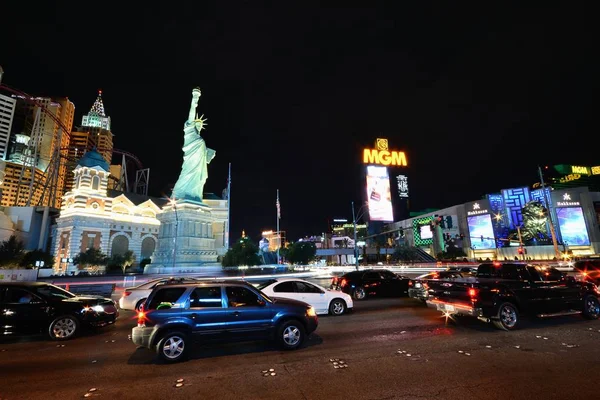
(558,221)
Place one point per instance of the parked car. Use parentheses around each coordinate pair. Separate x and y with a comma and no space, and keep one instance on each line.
(34,307)
(418,288)
(324,301)
(134,297)
(177,314)
(502,292)
(371,282)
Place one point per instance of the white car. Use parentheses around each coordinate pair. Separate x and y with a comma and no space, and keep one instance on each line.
(134,297)
(324,301)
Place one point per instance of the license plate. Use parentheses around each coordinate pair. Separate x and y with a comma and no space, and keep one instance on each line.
(448,307)
(417,285)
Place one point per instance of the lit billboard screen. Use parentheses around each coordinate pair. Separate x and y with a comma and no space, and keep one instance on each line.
(481,232)
(425,231)
(379,194)
(572,226)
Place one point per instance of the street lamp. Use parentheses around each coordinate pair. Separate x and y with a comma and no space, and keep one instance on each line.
(173,203)
(354,218)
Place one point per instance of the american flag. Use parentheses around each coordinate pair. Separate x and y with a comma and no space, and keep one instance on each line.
(278,206)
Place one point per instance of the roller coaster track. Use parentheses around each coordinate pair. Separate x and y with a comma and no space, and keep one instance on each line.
(58,153)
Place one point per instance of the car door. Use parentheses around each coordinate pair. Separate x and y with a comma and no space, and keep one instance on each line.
(392,284)
(312,295)
(207,311)
(248,314)
(566,293)
(285,289)
(372,282)
(536,293)
(23,311)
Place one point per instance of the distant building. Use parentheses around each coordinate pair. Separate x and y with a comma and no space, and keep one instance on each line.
(94,132)
(7,111)
(37,146)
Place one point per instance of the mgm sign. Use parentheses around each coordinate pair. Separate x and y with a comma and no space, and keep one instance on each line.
(382,155)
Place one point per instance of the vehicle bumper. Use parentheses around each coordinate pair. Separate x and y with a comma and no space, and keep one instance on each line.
(98,320)
(311,325)
(125,304)
(142,336)
(455,308)
(419,294)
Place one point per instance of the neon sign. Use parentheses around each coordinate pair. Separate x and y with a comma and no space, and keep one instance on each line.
(382,155)
(579,170)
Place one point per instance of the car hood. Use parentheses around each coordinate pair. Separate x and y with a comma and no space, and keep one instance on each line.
(291,302)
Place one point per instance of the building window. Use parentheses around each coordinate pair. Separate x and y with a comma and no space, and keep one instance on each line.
(148,246)
(120,245)
(95,182)
(90,242)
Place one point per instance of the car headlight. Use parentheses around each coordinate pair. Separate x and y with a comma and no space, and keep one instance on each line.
(311,312)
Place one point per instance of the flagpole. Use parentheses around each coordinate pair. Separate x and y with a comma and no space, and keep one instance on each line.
(228,209)
(278,233)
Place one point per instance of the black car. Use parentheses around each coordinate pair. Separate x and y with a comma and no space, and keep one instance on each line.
(175,315)
(418,287)
(34,307)
(371,282)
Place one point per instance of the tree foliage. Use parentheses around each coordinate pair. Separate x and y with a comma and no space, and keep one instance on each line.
(29,259)
(92,257)
(122,261)
(405,253)
(301,253)
(243,253)
(11,252)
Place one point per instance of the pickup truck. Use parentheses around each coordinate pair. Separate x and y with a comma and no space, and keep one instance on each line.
(501,292)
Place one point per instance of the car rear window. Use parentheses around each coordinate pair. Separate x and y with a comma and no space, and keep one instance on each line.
(166,295)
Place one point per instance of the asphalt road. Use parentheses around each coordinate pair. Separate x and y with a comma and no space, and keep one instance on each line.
(546,359)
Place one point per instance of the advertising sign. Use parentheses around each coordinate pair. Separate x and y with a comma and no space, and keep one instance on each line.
(402,181)
(379,194)
(481,232)
(572,226)
(383,155)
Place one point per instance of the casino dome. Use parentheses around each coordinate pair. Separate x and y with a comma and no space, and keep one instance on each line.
(93,159)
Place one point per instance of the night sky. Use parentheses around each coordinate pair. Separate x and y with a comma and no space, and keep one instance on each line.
(477,97)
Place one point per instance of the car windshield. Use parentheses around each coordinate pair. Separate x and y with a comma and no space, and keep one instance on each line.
(265,284)
(54,292)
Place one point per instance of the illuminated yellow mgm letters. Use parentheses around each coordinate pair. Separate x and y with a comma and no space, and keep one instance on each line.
(384,157)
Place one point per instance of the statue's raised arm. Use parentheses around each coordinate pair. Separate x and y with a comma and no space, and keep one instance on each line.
(195,97)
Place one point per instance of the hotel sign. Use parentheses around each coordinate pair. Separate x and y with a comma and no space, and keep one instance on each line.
(575,169)
(382,155)
(567,201)
(476,210)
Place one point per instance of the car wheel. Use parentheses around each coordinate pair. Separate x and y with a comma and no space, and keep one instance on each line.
(63,327)
(139,304)
(337,307)
(591,307)
(291,335)
(508,317)
(172,347)
(359,293)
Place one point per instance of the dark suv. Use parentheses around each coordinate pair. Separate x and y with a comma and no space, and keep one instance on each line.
(177,314)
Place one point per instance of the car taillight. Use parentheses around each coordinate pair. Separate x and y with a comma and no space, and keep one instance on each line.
(343,283)
(410,283)
(141,318)
(125,294)
(473,293)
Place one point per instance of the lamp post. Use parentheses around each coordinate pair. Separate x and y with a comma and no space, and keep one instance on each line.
(354,218)
(173,203)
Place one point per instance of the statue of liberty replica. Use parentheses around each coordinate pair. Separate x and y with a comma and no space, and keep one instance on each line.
(185,238)
(196,156)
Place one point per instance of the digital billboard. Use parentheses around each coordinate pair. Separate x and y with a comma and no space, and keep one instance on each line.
(572,226)
(379,194)
(481,231)
(402,186)
(425,232)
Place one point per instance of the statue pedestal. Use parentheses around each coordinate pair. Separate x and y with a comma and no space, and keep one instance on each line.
(185,240)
